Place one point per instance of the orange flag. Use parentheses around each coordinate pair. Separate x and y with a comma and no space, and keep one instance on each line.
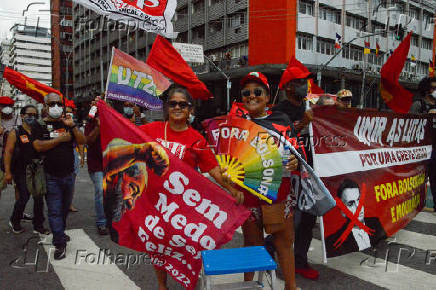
(395,96)
(28,86)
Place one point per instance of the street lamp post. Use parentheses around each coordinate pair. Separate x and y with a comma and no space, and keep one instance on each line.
(228,82)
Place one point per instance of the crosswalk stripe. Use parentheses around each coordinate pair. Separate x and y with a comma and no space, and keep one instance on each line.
(350,264)
(416,240)
(78,272)
(426,217)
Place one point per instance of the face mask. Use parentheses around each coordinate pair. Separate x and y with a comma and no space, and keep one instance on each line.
(434,94)
(7,110)
(29,120)
(55,112)
(301,91)
(128,111)
(191,118)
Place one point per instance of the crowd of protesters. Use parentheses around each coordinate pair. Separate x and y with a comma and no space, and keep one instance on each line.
(47,153)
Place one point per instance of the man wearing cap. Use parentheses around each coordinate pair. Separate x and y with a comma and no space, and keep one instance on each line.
(294,82)
(344,98)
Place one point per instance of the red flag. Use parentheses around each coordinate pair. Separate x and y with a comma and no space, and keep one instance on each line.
(28,86)
(160,205)
(165,58)
(396,97)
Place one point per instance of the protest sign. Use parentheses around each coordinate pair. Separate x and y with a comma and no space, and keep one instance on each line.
(190,52)
(374,164)
(158,204)
(135,81)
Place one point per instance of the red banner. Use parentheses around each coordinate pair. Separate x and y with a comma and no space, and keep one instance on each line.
(374,164)
(160,205)
(28,86)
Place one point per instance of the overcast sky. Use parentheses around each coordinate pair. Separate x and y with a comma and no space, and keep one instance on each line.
(11,13)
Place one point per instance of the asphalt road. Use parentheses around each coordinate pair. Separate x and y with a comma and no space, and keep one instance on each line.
(18,252)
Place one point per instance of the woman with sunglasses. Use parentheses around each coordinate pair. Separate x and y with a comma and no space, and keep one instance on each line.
(19,153)
(182,140)
(255,97)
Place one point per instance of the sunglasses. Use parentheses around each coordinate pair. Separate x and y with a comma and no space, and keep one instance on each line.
(182,105)
(52,104)
(256,92)
(346,100)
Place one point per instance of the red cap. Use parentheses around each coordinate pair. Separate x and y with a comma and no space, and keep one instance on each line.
(6,101)
(295,70)
(70,103)
(257,77)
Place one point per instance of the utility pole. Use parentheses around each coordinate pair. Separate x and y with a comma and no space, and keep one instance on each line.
(228,82)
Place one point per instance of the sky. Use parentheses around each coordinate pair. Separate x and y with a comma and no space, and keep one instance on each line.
(11,12)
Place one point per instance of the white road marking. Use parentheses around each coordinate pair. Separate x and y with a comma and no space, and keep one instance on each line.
(426,217)
(416,240)
(75,273)
(398,276)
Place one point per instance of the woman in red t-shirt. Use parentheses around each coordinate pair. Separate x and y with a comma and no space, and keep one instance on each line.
(182,140)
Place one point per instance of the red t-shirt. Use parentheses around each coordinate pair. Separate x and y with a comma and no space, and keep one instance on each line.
(188,145)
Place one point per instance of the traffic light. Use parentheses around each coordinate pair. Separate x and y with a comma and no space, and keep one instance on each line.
(399,32)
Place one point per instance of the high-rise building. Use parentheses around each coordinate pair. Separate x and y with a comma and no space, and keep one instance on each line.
(31,56)
(239,36)
(5,51)
(62,46)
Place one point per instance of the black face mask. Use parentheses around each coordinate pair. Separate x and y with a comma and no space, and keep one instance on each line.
(301,91)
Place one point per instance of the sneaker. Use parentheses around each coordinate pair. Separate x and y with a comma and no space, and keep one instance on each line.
(60,253)
(41,230)
(27,217)
(67,238)
(102,230)
(16,228)
(308,273)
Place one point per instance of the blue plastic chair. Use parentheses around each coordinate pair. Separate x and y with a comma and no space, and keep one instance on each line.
(238,260)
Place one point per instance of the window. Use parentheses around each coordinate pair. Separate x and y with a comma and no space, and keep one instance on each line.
(198,6)
(325,46)
(216,26)
(306,7)
(355,21)
(213,2)
(414,40)
(427,43)
(413,13)
(236,20)
(305,41)
(330,14)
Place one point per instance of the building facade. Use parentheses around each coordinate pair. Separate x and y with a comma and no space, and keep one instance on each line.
(5,51)
(30,55)
(239,36)
(62,46)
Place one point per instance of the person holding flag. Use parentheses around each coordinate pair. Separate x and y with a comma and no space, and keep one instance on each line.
(255,96)
(182,140)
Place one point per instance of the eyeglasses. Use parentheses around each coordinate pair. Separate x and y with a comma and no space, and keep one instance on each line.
(346,99)
(256,92)
(31,115)
(182,105)
(52,104)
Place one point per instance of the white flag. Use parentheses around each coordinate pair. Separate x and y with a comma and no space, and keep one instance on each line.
(150,15)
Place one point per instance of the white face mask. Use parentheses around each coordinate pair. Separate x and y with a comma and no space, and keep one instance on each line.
(55,112)
(7,110)
(434,94)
